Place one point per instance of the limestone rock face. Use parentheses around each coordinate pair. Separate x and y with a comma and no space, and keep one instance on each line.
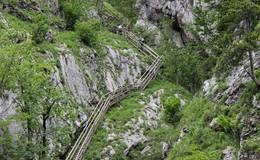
(129,68)
(165,149)
(229,89)
(180,11)
(9,8)
(88,81)
(73,76)
(233,82)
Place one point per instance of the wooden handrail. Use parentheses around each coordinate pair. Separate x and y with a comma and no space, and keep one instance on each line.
(101,108)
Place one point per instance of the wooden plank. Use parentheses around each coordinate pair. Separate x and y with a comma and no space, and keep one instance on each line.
(84,139)
(79,139)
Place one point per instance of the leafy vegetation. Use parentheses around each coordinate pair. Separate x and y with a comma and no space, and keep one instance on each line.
(87,31)
(72,13)
(201,129)
(172,110)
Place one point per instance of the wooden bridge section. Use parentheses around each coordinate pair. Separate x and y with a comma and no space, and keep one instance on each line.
(111,98)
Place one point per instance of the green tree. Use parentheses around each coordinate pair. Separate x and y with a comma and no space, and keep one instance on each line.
(243,26)
(27,74)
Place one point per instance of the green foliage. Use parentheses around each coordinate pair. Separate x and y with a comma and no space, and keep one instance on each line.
(126,7)
(127,110)
(87,31)
(226,124)
(39,33)
(195,153)
(201,142)
(249,91)
(172,113)
(27,74)
(110,9)
(72,12)
(252,144)
(182,66)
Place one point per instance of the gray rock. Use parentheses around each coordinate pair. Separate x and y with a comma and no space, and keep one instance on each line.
(15,12)
(184,131)
(93,14)
(123,69)
(214,124)
(132,140)
(228,153)
(151,11)
(210,86)
(165,149)
(49,36)
(237,78)
(256,102)
(29,5)
(107,152)
(73,75)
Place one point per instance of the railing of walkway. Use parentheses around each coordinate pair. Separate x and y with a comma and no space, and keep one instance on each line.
(83,141)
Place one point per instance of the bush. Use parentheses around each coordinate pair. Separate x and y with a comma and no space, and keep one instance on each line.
(172,112)
(87,31)
(72,13)
(39,33)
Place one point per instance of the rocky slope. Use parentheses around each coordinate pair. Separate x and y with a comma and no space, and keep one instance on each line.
(85,72)
(220,120)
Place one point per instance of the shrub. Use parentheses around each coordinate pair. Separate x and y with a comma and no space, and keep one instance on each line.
(72,13)
(172,112)
(39,33)
(87,31)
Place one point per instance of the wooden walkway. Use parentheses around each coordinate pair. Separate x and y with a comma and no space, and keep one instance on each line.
(111,98)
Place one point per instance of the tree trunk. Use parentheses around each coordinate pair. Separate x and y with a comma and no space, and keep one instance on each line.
(44,139)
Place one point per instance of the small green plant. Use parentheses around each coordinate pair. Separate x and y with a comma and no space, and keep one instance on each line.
(72,13)
(87,31)
(39,33)
(172,112)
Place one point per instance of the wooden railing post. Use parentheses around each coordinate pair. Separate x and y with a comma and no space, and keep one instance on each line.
(114,97)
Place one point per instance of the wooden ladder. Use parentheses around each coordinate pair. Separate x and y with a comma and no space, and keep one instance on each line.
(111,98)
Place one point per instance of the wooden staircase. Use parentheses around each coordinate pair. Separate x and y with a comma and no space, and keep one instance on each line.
(111,98)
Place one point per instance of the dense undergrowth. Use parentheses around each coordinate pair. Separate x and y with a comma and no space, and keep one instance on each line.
(201,141)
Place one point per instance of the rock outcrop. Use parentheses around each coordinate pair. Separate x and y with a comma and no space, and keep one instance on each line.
(135,135)
(180,11)
(229,91)
(231,87)
(73,76)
